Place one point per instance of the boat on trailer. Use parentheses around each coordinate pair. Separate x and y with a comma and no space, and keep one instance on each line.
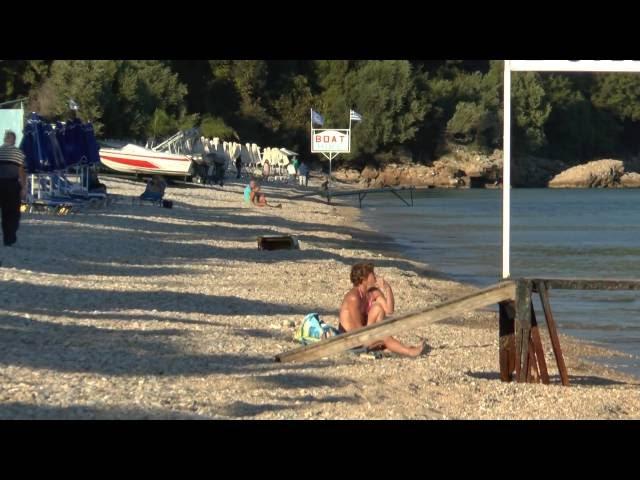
(139,160)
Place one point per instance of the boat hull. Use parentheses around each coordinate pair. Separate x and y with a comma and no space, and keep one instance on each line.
(140,160)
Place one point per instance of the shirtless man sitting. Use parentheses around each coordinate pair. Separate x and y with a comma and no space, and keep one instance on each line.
(355,312)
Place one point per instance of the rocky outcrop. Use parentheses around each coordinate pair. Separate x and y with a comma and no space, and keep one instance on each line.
(599,173)
(461,169)
(630,180)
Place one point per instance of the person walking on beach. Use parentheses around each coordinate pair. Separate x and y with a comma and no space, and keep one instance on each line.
(359,309)
(13,187)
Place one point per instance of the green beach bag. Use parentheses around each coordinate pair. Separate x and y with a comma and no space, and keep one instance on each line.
(312,330)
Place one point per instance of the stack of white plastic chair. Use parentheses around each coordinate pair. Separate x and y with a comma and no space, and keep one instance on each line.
(277,158)
(219,149)
(234,152)
(267,155)
(245,154)
(255,153)
(205,145)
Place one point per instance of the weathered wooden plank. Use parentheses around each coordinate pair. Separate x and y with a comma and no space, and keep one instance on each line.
(537,346)
(589,284)
(523,326)
(392,326)
(533,376)
(507,348)
(553,332)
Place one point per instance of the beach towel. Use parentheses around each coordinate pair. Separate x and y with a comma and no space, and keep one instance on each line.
(313,329)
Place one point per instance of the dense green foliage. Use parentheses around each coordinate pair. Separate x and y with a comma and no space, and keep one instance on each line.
(425,106)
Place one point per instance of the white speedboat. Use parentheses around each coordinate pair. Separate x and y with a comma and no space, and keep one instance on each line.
(136,159)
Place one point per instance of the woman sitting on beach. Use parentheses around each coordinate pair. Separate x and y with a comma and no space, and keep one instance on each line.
(258,198)
(155,189)
(254,196)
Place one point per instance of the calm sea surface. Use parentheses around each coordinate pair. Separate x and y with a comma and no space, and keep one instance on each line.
(591,233)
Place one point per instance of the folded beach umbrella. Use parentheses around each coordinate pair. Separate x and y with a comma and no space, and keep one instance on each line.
(53,147)
(255,151)
(34,146)
(30,147)
(93,149)
(235,150)
(71,142)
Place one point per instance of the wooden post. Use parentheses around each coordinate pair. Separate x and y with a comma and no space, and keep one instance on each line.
(507,350)
(523,327)
(553,332)
(537,346)
(533,366)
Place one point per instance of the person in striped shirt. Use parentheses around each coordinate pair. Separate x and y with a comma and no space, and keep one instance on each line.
(13,187)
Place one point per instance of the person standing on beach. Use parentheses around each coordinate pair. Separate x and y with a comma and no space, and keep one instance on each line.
(355,312)
(266,170)
(303,174)
(296,164)
(13,187)
(238,166)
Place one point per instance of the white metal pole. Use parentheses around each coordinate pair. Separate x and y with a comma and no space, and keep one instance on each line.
(349,130)
(331,156)
(506,172)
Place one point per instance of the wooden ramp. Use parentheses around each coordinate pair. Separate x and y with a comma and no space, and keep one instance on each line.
(364,336)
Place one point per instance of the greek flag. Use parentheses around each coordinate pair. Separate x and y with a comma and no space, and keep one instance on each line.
(316,118)
(355,116)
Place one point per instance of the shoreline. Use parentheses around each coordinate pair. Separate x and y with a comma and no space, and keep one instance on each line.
(150,313)
(597,354)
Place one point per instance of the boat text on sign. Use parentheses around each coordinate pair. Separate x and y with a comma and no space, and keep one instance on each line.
(330,141)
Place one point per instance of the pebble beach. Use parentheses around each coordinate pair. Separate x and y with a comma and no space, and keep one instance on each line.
(141,312)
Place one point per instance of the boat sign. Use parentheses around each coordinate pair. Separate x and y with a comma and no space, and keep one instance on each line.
(336,141)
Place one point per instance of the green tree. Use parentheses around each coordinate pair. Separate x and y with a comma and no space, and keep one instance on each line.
(89,83)
(18,77)
(120,97)
(216,127)
(531,110)
(472,124)
(383,92)
(575,129)
(161,124)
(292,109)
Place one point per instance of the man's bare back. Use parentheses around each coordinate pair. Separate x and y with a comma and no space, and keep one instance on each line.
(353,310)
